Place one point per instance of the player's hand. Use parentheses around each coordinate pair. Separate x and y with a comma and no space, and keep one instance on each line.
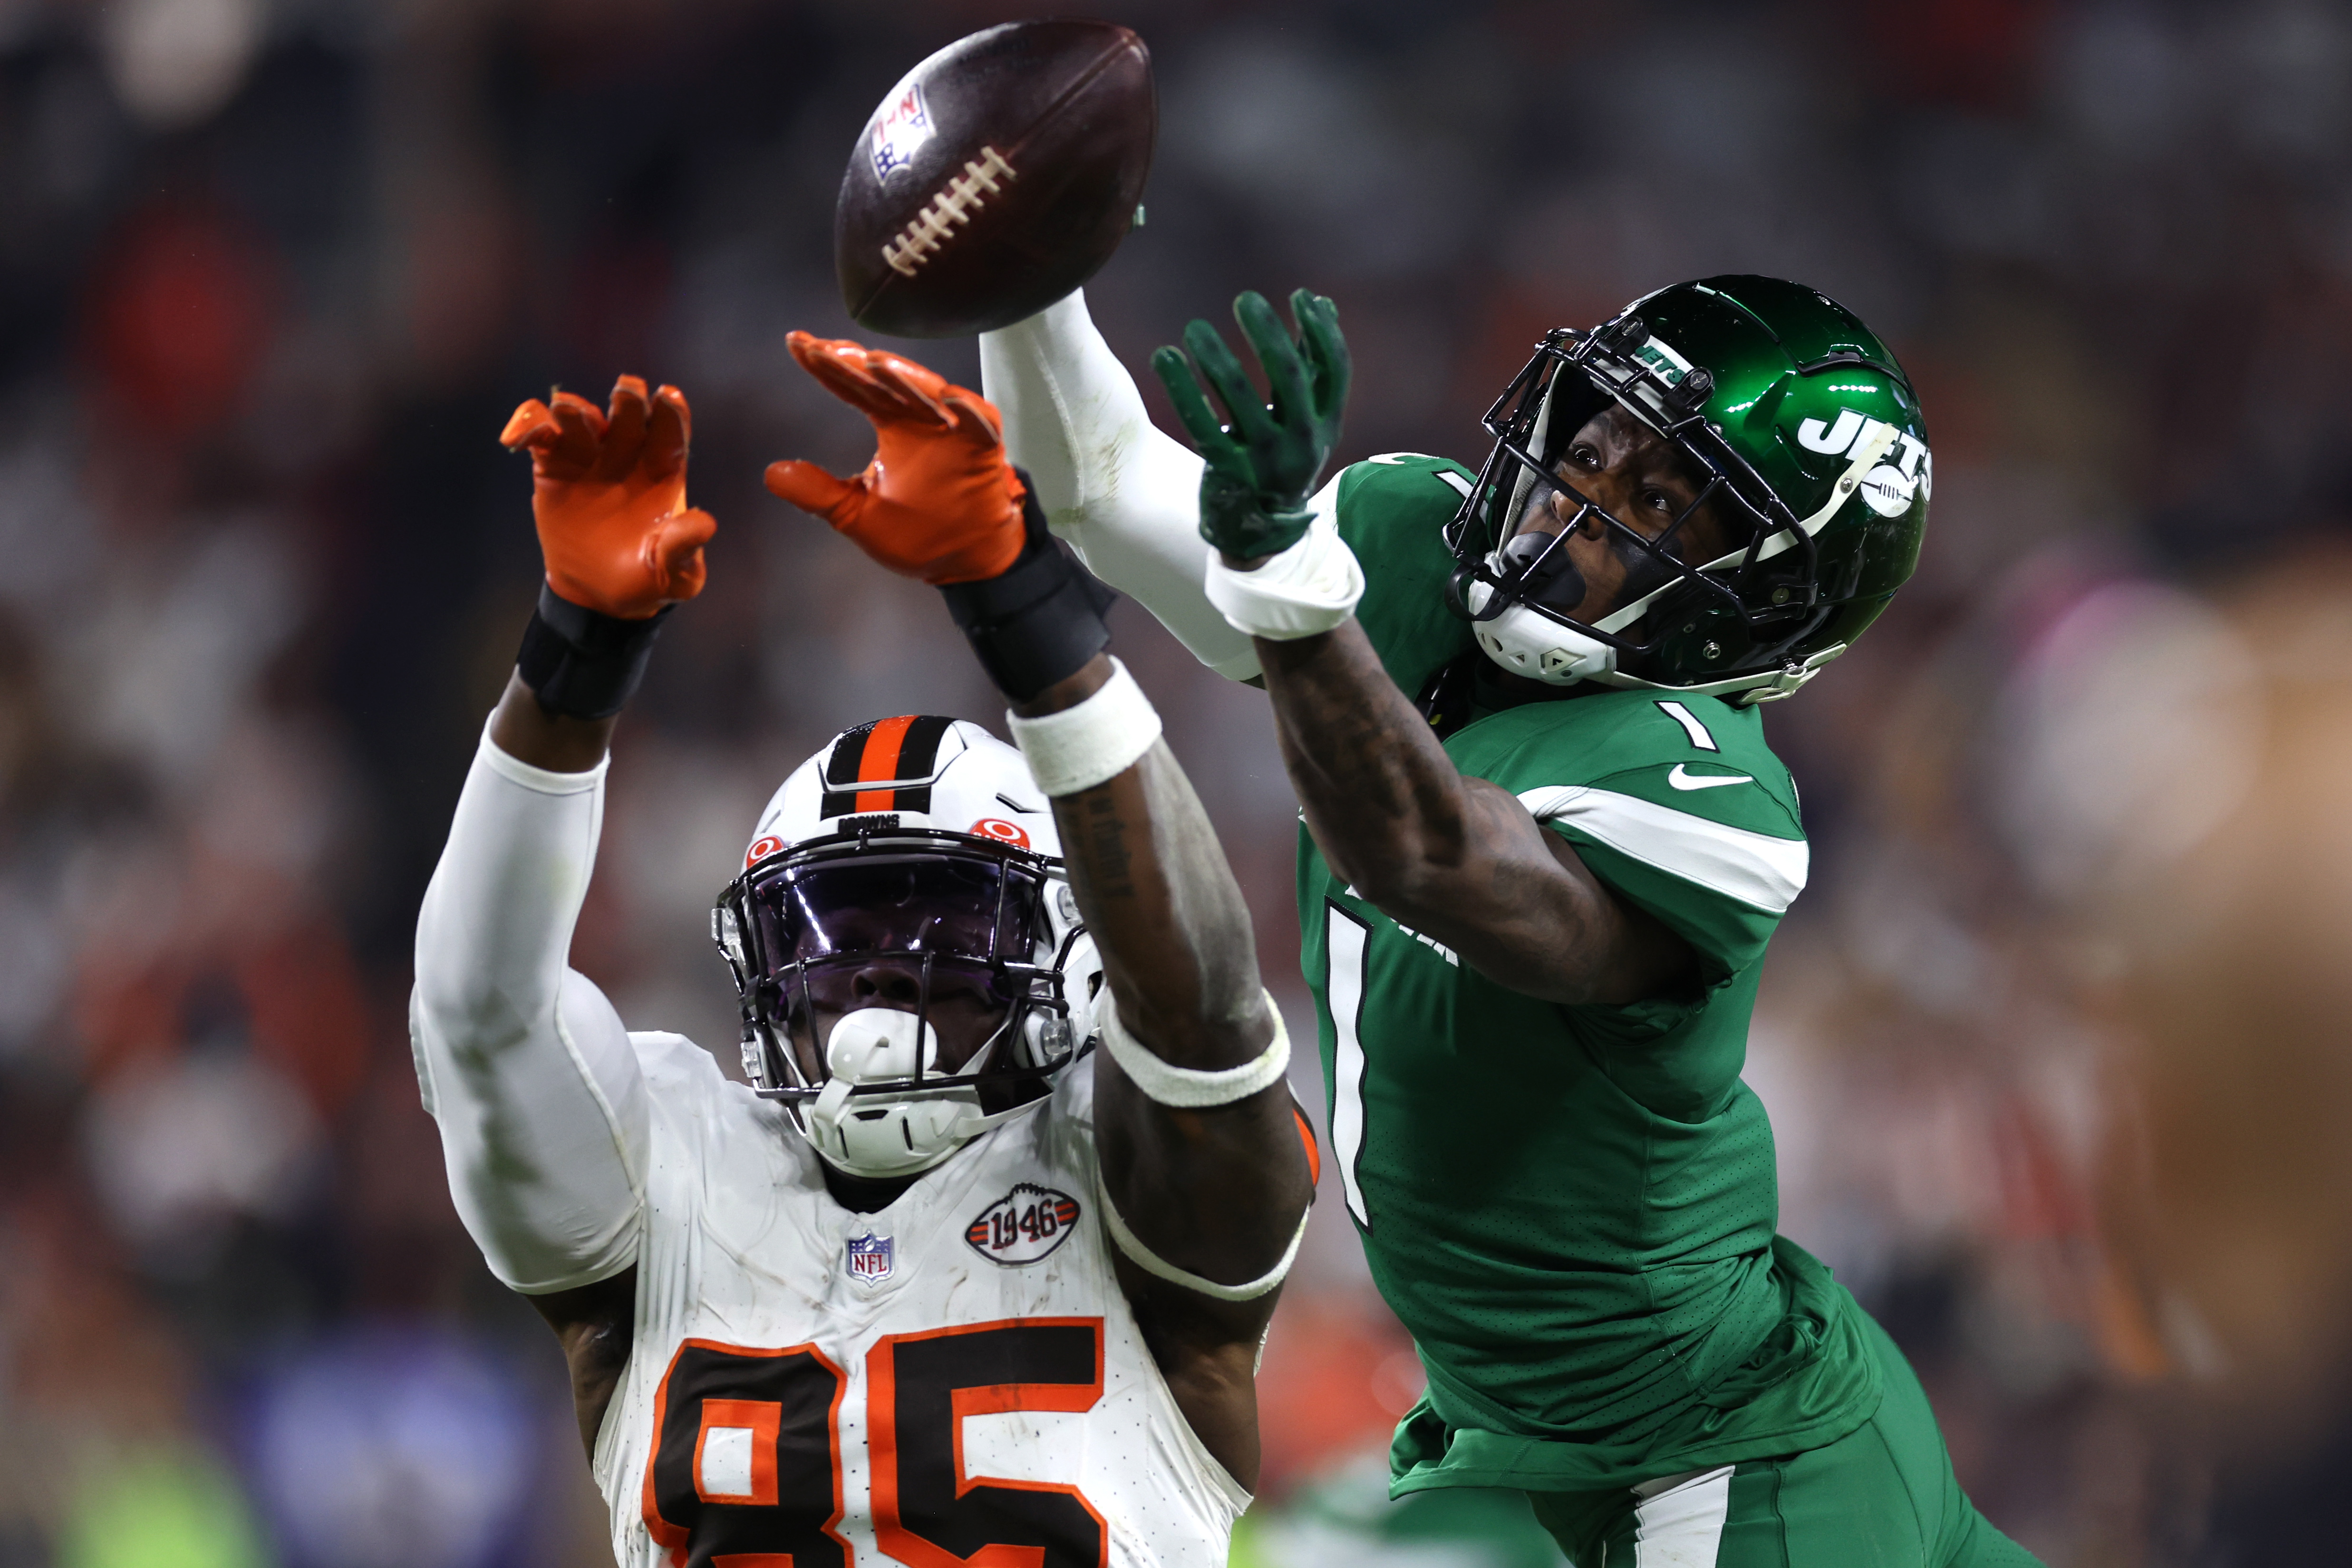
(1264,464)
(940,500)
(608,490)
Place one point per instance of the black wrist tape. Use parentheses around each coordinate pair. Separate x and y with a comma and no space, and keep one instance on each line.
(1037,621)
(580,662)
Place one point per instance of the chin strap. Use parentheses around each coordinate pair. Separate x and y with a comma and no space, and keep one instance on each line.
(970,1123)
(1789,682)
(1740,690)
(1159,1267)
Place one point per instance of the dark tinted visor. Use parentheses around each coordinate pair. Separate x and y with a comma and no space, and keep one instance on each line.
(969,909)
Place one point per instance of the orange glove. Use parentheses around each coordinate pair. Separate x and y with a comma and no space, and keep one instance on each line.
(940,500)
(609,494)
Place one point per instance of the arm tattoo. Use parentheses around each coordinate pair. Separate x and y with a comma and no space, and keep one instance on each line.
(1108,860)
(1452,856)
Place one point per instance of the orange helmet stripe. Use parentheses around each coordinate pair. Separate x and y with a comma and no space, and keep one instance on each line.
(879,763)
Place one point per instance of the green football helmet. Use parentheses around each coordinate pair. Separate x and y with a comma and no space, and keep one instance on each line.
(1803,437)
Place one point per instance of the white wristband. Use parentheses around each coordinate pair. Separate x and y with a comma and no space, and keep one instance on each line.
(1095,740)
(1308,588)
(1151,1263)
(1192,1089)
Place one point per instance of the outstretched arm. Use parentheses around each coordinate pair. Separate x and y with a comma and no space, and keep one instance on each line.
(1206,1176)
(1205,1159)
(1121,492)
(522,1062)
(1456,859)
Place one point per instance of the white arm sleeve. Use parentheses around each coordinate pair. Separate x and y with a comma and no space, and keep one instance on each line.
(524,1064)
(1125,496)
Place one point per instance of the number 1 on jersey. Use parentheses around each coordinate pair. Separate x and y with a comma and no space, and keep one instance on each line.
(1344,940)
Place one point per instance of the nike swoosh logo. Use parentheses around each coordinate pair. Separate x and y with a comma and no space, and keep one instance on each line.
(1681,779)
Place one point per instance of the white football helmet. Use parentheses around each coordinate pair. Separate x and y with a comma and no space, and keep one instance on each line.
(916,849)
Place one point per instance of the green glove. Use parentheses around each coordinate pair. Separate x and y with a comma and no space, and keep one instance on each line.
(1264,466)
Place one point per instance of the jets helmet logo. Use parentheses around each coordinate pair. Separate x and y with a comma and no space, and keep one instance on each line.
(1890,487)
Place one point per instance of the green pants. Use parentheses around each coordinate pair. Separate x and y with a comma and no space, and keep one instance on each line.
(1883,1496)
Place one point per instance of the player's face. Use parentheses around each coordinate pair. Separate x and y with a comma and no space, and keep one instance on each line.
(1628,469)
(852,931)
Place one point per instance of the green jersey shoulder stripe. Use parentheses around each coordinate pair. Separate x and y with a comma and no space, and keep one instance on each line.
(1756,869)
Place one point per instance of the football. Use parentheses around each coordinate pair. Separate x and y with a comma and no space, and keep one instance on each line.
(998,176)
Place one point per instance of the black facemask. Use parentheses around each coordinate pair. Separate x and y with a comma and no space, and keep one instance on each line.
(1549,578)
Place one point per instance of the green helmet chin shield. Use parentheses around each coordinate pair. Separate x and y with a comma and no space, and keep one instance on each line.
(1805,441)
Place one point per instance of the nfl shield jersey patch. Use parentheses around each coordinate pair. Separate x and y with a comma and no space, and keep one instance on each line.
(869,1257)
(1022,1225)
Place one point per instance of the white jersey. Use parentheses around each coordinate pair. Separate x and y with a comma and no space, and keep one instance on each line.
(958,1371)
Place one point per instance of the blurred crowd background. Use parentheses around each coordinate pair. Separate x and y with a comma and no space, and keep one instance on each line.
(2056,1042)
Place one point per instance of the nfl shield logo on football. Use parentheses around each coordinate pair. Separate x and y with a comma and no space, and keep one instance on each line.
(904,124)
(869,1258)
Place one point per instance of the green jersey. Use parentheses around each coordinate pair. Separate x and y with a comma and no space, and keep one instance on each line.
(1572,1207)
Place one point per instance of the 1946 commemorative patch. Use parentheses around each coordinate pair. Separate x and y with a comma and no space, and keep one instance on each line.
(1022,1225)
